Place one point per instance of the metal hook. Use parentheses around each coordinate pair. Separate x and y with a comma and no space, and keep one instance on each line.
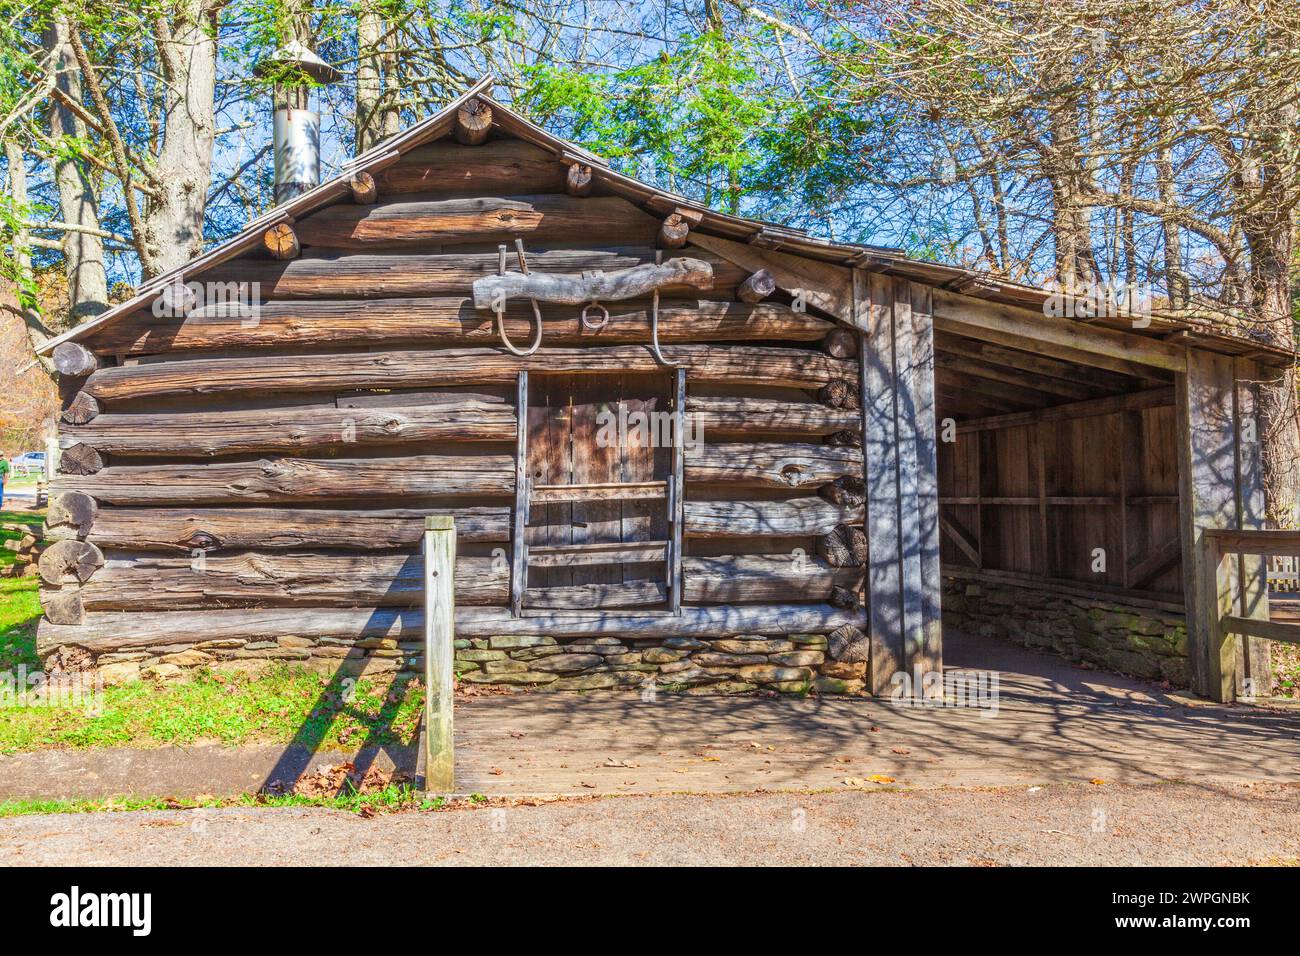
(501,309)
(654,319)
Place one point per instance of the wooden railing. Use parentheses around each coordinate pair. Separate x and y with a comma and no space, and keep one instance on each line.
(1242,609)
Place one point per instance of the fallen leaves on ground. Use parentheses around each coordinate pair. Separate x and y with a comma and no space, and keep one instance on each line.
(331,780)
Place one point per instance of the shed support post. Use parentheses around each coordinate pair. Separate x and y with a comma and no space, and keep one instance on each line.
(439,638)
(1220,486)
(903,581)
(519,525)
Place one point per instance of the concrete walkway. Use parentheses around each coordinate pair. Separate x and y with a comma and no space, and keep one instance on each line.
(1170,824)
(1054,724)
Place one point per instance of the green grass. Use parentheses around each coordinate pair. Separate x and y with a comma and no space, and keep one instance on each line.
(20,608)
(392,797)
(287,704)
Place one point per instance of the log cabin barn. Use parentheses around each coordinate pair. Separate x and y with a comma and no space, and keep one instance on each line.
(679,446)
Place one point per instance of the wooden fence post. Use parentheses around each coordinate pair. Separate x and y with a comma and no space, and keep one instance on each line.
(439,636)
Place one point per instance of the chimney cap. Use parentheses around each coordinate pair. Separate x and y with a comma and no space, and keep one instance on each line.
(295,55)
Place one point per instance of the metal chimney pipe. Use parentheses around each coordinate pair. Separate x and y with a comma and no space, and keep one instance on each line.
(297,152)
(295,129)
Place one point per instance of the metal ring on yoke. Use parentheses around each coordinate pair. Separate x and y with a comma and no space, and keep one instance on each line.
(594,326)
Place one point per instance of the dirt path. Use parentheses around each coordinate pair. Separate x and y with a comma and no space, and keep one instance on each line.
(1171,824)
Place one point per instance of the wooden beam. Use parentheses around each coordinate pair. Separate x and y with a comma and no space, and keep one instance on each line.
(1064,339)
(1155,564)
(72,360)
(297,479)
(416,368)
(819,284)
(518,546)
(771,465)
(880,452)
(673,232)
(342,274)
(546,217)
(795,517)
(757,287)
(188,529)
(990,353)
(1207,436)
(139,581)
(498,167)
(1130,402)
(962,538)
(204,434)
(677,495)
(452,321)
(110,631)
(794,420)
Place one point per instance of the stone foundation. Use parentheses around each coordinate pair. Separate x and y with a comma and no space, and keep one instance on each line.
(795,663)
(1127,638)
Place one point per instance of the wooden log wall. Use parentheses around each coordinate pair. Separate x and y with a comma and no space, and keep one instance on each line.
(1056,495)
(247,472)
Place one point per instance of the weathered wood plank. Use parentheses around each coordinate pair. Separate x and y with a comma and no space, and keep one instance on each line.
(523,481)
(192,529)
(419,219)
(738,416)
(797,517)
(297,479)
(441,595)
(341,274)
(763,578)
(1060,338)
(1207,467)
(771,465)
(500,167)
(106,631)
(285,429)
(142,582)
(452,321)
(411,369)
(881,447)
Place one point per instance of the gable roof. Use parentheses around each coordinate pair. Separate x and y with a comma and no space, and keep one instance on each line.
(760,234)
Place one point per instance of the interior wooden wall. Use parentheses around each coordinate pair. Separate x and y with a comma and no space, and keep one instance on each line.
(1031,501)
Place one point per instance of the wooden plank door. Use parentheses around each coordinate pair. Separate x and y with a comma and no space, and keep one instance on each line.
(569,432)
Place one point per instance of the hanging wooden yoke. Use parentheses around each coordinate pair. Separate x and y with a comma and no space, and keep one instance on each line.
(589,290)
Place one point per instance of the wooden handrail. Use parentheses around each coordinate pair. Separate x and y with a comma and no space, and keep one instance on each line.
(1255,542)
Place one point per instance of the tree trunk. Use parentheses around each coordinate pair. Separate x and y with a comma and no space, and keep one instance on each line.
(188,56)
(83,253)
(376,118)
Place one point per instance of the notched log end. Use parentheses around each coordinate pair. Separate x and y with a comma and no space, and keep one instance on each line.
(281,242)
(473,123)
(65,562)
(365,191)
(73,360)
(674,232)
(578,180)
